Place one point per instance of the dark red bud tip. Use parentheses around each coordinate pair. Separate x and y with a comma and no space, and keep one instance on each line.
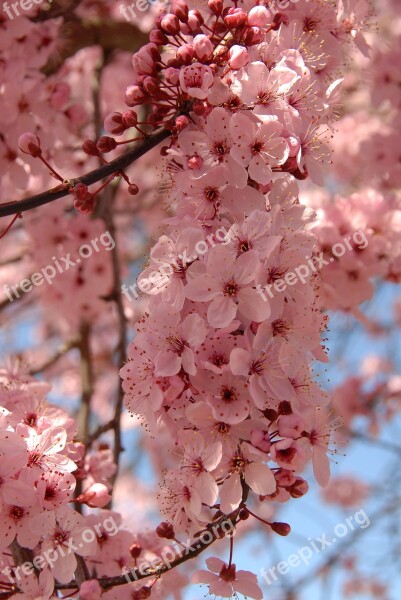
(135,551)
(106,144)
(90,148)
(281,528)
(133,189)
(166,531)
(243,514)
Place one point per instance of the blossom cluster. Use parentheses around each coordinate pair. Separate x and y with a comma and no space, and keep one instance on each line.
(227,374)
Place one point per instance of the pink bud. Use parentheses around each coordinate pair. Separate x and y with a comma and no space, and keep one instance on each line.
(170,24)
(130,118)
(195,20)
(259,16)
(90,590)
(235,17)
(195,163)
(203,47)
(145,60)
(158,37)
(216,6)
(134,95)
(151,85)
(106,144)
(179,8)
(29,143)
(181,122)
(185,54)
(96,496)
(90,148)
(172,75)
(113,123)
(239,57)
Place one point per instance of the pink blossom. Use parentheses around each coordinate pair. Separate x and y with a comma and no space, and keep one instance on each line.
(226,283)
(196,80)
(225,581)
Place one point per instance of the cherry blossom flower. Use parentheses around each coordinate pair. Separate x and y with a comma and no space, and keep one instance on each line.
(225,581)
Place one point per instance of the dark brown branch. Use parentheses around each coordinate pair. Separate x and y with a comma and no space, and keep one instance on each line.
(118,164)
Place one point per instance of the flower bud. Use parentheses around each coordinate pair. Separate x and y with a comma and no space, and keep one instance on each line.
(133,189)
(235,17)
(281,528)
(106,144)
(216,6)
(145,60)
(179,8)
(97,495)
(203,47)
(165,530)
(254,36)
(135,551)
(158,37)
(113,123)
(151,85)
(258,16)
(181,122)
(238,57)
(134,95)
(90,148)
(195,20)
(185,54)
(130,118)
(170,24)
(29,143)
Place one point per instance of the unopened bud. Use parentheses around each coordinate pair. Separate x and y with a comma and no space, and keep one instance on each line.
(170,24)
(166,531)
(29,143)
(133,189)
(113,123)
(90,148)
(130,118)
(179,8)
(238,57)
(216,6)
(135,551)
(281,528)
(181,122)
(106,144)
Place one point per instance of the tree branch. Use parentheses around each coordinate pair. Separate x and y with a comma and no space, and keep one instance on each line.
(118,164)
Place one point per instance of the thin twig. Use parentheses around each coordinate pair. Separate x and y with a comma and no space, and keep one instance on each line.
(122,162)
